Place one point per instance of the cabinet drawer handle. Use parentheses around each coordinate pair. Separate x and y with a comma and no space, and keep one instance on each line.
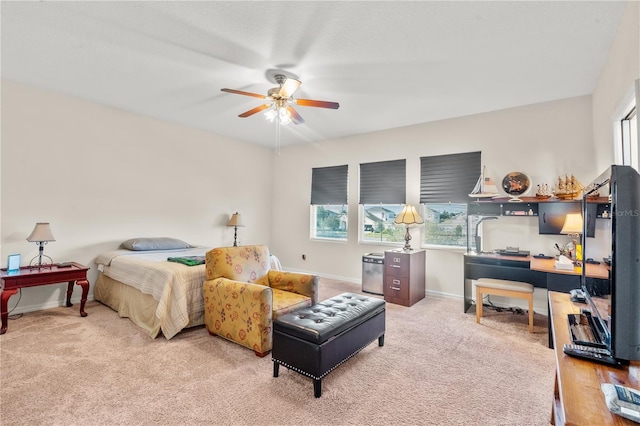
(395,266)
(395,288)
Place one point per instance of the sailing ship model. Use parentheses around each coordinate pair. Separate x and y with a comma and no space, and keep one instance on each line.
(485,187)
(567,188)
(543,192)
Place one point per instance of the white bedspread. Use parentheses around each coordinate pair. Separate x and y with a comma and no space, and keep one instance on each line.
(175,286)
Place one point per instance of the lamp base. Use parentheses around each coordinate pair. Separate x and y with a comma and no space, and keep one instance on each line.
(40,265)
(407,238)
(235,236)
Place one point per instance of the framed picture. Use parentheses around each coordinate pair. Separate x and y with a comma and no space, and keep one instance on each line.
(13,263)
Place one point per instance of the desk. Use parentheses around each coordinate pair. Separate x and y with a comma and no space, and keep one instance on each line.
(32,277)
(539,272)
(578,399)
(600,270)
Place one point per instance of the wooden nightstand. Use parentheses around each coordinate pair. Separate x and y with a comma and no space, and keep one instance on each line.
(32,277)
(404,271)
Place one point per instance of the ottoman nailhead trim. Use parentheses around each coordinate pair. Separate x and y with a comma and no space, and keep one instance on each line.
(333,368)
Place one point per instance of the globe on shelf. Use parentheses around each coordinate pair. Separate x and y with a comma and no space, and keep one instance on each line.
(516,184)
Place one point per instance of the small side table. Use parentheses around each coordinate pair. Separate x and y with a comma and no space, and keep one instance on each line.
(32,277)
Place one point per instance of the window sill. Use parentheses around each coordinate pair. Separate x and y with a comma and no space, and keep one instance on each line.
(461,250)
(380,243)
(329,240)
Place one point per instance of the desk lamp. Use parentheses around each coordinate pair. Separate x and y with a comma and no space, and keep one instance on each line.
(478,237)
(41,235)
(235,221)
(408,216)
(573,228)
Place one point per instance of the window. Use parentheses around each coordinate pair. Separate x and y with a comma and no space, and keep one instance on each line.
(445,184)
(629,140)
(382,197)
(329,209)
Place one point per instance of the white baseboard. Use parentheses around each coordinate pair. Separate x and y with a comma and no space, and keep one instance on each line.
(23,309)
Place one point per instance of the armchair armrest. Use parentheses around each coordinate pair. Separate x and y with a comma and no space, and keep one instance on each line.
(239,311)
(305,284)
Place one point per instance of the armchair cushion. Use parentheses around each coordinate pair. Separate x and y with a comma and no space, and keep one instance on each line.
(285,302)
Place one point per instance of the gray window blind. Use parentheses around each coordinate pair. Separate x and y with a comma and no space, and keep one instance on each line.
(329,185)
(449,178)
(384,182)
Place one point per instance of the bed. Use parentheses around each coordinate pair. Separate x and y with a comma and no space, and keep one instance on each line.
(155,294)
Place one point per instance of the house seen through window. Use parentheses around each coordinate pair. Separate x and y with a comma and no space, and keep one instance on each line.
(379,225)
(330,221)
(445,224)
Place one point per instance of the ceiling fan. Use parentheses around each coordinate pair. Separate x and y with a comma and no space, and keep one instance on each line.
(281,101)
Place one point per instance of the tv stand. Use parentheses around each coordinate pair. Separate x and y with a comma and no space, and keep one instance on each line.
(578,399)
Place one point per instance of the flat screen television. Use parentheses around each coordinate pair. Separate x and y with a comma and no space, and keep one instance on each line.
(551,216)
(619,318)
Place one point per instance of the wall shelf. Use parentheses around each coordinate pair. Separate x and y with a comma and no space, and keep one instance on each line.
(528,206)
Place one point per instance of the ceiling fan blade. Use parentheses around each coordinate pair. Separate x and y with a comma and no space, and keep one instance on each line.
(321,104)
(254,110)
(289,86)
(295,117)
(240,92)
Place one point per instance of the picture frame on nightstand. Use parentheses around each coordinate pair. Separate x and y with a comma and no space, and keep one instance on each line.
(13,263)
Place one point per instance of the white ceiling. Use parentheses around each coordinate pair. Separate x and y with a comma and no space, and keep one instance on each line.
(389,64)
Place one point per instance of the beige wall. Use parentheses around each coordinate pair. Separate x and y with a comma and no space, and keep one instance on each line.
(101,176)
(542,140)
(616,83)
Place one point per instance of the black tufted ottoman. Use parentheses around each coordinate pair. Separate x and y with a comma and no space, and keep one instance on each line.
(315,340)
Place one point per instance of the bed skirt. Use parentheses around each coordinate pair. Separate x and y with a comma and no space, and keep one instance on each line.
(130,303)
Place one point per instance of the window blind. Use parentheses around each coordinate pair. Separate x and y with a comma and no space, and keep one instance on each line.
(449,178)
(383,182)
(329,185)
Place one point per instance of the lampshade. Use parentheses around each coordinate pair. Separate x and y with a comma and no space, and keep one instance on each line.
(235,220)
(572,224)
(408,216)
(41,232)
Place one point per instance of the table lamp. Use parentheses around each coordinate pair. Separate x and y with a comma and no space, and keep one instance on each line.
(235,221)
(41,235)
(573,228)
(408,216)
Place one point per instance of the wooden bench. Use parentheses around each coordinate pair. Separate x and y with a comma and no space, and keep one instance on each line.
(504,288)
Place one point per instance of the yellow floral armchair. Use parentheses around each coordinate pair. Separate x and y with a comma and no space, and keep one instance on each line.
(243,295)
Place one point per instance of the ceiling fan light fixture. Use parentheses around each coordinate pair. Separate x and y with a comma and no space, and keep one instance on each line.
(280,113)
(284,115)
(271,114)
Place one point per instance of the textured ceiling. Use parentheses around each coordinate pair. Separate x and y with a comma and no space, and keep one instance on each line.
(388,64)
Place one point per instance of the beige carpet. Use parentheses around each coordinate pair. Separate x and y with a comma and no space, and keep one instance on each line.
(438,367)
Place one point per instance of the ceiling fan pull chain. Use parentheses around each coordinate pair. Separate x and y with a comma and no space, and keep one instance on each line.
(278,134)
